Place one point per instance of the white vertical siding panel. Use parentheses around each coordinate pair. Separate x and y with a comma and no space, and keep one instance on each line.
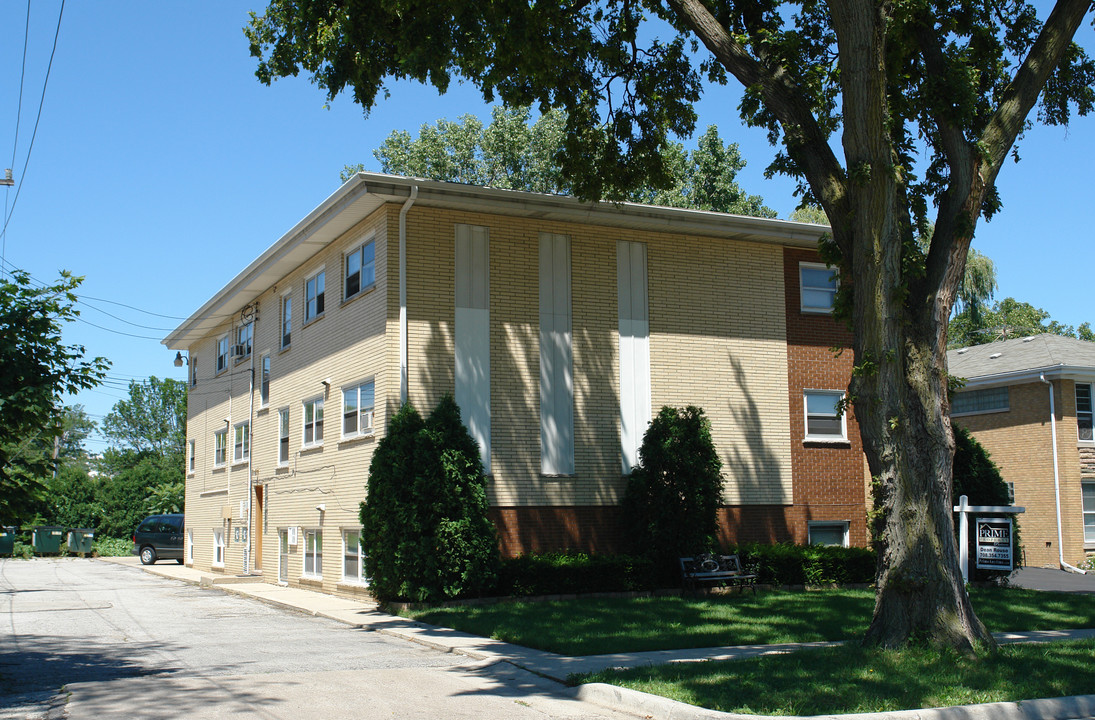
(556,357)
(472,334)
(634,331)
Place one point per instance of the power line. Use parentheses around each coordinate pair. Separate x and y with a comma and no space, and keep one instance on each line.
(34,134)
(18,119)
(118,332)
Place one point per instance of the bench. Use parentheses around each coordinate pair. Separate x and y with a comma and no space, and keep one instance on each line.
(716,569)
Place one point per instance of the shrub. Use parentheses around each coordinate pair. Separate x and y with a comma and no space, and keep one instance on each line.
(673,495)
(426,533)
(977,477)
(112,547)
(573,572)
(787,564)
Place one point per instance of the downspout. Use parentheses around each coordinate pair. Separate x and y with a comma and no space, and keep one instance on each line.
(250,446)
(403,354)
(1057,480)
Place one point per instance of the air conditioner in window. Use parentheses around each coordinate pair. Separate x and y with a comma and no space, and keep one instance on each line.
(367,421)
(291,534)
(239,350)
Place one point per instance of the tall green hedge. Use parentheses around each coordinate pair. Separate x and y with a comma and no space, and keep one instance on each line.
(673,495)
(425,529)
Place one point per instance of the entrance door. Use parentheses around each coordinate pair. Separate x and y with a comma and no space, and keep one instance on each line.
(256,527)
(283,556)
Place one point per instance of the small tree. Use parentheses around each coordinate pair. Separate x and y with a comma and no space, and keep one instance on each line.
(977,477)
(673,495)
(425,532)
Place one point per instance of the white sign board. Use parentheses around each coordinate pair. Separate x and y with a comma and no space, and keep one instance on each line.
(994,544)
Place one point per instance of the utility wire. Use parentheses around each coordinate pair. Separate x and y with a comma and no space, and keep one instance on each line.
(18,119)
(33,135)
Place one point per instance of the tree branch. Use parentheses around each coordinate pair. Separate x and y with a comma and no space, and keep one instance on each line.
(1031,77)
(806,143)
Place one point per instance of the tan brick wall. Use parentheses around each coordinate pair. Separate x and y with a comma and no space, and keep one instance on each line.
(1020,443)
(346,346)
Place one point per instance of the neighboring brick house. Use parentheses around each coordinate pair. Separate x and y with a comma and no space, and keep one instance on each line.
(559,327)
(1006,404)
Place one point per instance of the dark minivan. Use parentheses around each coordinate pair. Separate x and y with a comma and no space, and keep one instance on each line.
(159,537)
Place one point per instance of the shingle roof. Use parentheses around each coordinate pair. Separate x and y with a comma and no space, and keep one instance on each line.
(1051,354)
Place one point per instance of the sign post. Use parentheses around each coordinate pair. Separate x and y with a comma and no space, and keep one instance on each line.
(994,546)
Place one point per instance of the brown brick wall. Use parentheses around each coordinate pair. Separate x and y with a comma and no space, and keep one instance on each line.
(829,480)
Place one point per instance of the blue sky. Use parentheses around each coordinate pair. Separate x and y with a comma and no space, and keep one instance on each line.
(161,167)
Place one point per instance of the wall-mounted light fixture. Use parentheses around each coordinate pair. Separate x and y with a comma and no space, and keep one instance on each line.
(180,360)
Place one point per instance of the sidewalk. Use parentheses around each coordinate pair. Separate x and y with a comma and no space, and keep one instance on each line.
(366,616)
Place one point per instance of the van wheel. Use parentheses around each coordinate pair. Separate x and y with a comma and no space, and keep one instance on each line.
(148,555)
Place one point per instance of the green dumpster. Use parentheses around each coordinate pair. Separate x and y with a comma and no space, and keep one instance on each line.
(7,540)
(80,540)
(47,539)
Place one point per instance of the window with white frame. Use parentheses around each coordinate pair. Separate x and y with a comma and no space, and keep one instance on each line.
(313,296)
(192,461)
(244,335)
(286,320)
(218,547)
(985,400)
(193,371)
(1083,412)
(817,287)
(222,354)
(283,436)
(313,553)
(357,410)
(824,418)
(220,447)
(241,445)
(828,533)
(313,422)
(359,270)
(1088,490)
(352,557)
(264,384)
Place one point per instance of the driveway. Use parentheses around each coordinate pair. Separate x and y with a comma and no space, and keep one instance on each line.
(84,639)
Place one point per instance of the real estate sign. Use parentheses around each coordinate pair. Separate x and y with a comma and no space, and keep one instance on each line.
(994,544)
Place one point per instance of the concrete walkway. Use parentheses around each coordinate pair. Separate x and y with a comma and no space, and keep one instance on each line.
(365,615)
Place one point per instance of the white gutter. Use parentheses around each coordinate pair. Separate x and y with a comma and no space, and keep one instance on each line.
(1057,481)
(403,354)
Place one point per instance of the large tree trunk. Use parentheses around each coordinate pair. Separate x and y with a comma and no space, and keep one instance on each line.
(899,392)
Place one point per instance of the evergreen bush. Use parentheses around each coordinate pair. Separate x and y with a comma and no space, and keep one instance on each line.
(557,573)
(673,495)
(426,533)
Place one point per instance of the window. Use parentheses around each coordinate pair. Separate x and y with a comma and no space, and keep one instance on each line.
(313,553)
(828,533)
(283,436)
(244,335)
(1083,412)
(357,410)
(1011,493)
(220,447)
(360,270)
(242,443)
(313,422)
(556,357)
(352,557)
(264,385)
(313,297)
(1088,489)
(971,402)
(286,320)
(824,420)
(193,372)
(193,461)
(222,354)
(817,287)
(218,548)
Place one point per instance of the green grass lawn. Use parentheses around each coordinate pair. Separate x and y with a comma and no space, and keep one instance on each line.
(595,626)
(855,679)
